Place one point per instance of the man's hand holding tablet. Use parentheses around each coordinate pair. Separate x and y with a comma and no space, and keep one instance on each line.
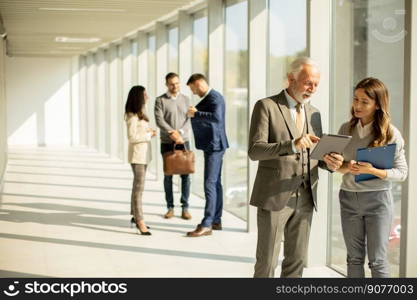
(306,142)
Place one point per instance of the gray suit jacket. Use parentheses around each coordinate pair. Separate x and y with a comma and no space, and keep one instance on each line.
(271,133)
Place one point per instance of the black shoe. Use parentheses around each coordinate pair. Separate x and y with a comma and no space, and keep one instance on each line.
(133,221)
(142,232)
(145,233)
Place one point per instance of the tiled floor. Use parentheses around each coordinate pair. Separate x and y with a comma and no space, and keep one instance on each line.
(64,213)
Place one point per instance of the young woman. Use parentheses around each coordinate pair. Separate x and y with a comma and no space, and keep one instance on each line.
(367,206)
(139,135)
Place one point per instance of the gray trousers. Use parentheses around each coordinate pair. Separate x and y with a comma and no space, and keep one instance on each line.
(139,174)
(293,223)
(366,224)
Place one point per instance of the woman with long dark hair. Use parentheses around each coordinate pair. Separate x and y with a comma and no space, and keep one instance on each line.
(139,135)
(367,206)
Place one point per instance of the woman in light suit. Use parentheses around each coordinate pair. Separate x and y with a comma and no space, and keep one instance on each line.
(367,206)
(139,135)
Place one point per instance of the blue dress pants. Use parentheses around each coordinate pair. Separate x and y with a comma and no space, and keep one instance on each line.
(213,189)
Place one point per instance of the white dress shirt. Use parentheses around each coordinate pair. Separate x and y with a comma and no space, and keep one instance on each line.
(205,95)
(292,103)
(364,131)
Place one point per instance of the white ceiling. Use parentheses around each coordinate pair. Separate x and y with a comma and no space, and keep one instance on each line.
(33,25)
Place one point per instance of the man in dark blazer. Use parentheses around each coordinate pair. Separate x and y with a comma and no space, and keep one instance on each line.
(283,129)
(208,123)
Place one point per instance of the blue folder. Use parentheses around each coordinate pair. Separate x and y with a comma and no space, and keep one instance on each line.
(379,157)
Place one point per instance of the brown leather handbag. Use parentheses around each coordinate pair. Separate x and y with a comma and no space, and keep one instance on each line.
(179,162)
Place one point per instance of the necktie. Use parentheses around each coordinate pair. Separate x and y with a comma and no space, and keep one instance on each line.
(299,119)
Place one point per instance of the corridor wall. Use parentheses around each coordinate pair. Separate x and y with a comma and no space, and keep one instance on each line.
(3,132)
(38,97)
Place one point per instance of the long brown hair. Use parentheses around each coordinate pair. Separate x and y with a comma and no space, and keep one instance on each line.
(136,102)
(376,90)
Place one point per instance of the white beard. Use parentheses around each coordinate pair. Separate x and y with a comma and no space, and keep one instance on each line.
(304,100)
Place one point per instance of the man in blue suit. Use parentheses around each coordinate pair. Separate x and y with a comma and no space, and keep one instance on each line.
(208,123)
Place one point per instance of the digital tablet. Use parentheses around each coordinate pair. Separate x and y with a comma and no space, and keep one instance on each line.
(329,143)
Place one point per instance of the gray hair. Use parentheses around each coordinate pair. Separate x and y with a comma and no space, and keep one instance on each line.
(298,64)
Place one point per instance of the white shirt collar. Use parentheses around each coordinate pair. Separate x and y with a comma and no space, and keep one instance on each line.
(171,96)
(205,95)
(364,131)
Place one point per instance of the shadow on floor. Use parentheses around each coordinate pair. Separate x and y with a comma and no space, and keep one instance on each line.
(73,214)
(127,202)
(73,175)
(188,254)
(75,160)
(71,168)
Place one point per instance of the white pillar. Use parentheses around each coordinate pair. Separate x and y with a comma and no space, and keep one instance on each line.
(127,82)
(408,262)
(83,100)
(101,100)
(114,118)
(258,52)
(120,105)
(185,44)
(91,101)
(107,107)
(144,79)
(216,44)
(75,101)
(135,56)
(320,44)
(185,59)
(161,35)
(3,113)
(142,59)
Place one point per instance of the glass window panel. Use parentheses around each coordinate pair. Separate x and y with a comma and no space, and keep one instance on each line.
(287,39)
(368,41)
(200,43)
(173,50)
(135,48)
(151,90)
(236,96)
(135,53)
(199,65)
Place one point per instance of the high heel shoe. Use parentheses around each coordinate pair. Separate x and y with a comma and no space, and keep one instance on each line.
(133,222)
(143,232)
